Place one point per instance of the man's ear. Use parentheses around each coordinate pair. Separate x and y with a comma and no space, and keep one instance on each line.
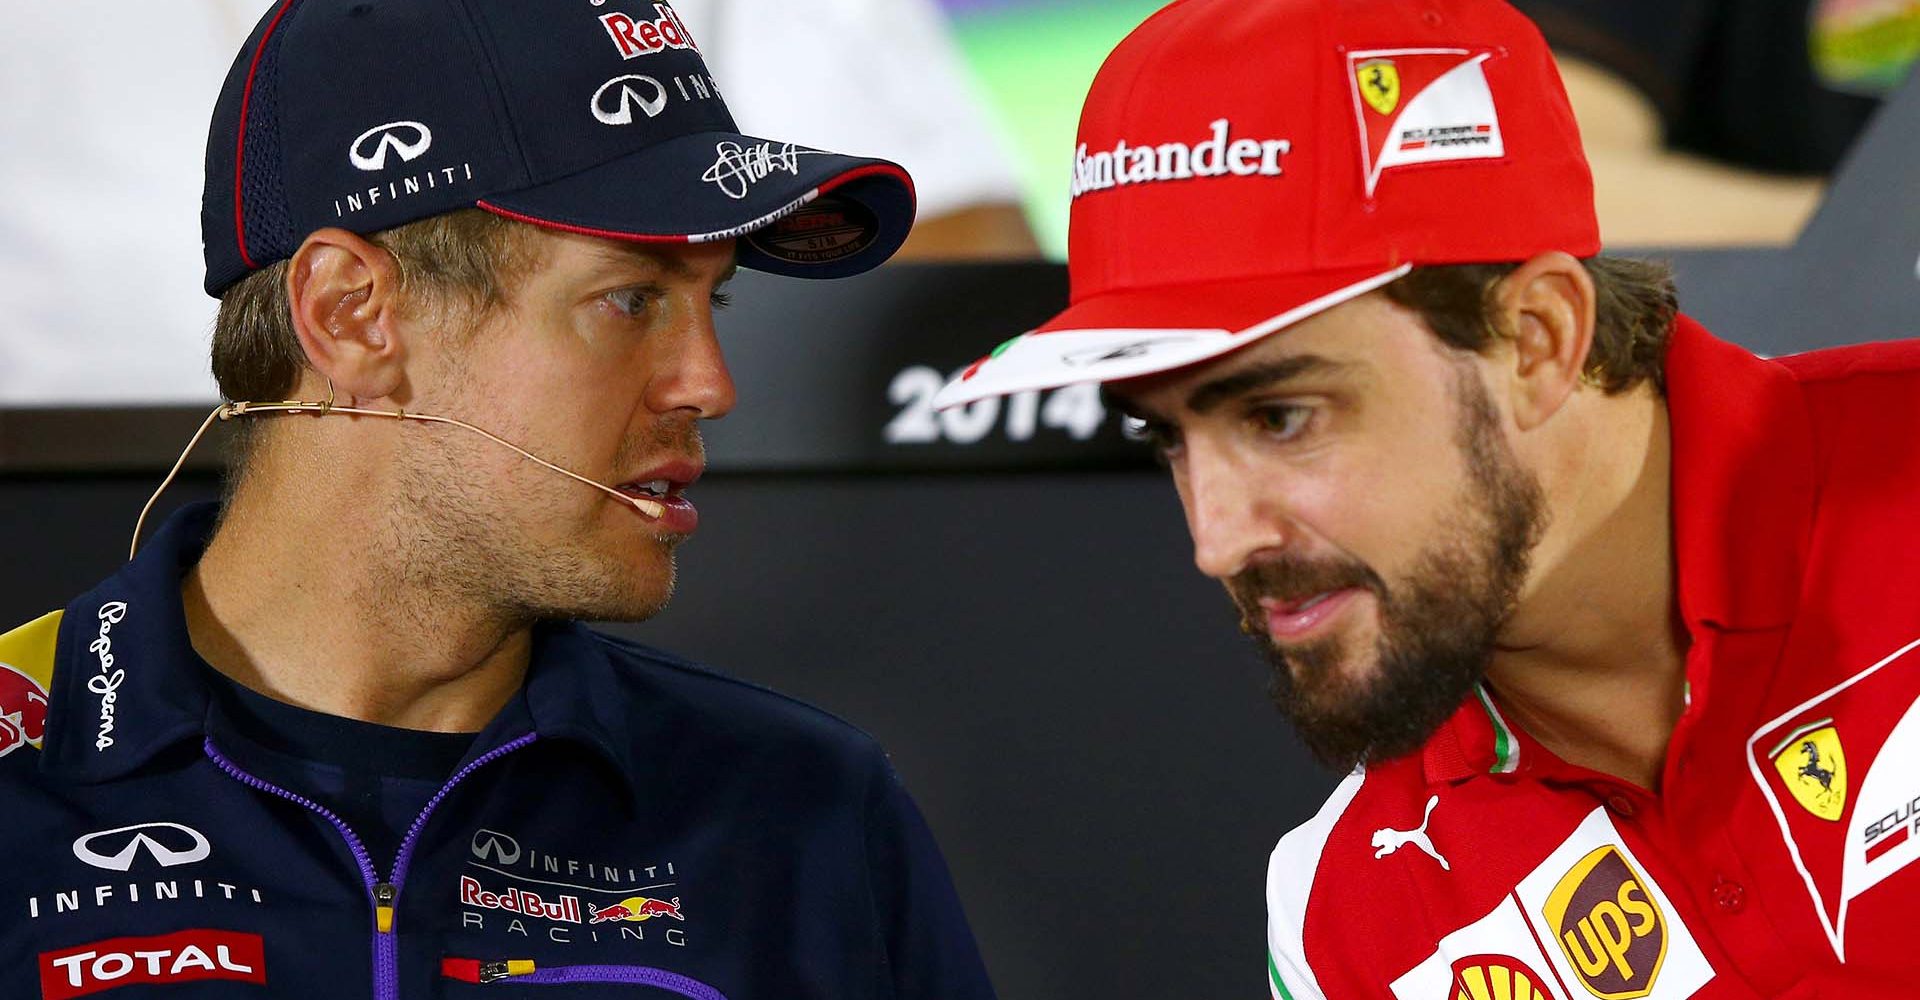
(346,300)
(1547,308)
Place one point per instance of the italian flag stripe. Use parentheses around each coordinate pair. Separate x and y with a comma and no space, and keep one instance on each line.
(1273,973)
(1506,750)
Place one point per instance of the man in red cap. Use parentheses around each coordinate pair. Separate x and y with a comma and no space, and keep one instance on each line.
(1592,599)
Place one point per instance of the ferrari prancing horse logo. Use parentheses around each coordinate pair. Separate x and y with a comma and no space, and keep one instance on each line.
(1379,84)
(1814,768)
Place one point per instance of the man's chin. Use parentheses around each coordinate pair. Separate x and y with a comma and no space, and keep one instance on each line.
(1349,709)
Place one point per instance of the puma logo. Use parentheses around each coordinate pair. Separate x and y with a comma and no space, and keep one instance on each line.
(1389,840)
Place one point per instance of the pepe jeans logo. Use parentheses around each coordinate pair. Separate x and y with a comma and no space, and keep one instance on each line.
(1606,922)
(410,140)
(107,682)
(622,113)
(169,844)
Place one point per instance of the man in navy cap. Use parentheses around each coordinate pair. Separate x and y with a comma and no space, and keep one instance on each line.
(340,736)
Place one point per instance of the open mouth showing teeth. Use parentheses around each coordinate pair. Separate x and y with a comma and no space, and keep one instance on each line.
(657,489)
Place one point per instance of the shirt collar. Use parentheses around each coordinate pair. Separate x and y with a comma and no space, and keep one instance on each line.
(1743,483)
(1743,496)
(128,686)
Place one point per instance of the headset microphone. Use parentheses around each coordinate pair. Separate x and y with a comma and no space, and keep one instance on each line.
(228,411)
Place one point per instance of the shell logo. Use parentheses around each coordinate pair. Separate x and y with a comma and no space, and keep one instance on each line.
(1497,977)
(1606,921)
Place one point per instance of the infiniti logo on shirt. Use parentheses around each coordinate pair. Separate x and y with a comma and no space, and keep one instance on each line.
(169,844)
(499,847)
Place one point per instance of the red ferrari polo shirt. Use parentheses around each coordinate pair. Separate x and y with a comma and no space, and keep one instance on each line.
(1779,857)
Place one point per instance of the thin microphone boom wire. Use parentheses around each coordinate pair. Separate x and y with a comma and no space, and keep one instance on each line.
(228,411)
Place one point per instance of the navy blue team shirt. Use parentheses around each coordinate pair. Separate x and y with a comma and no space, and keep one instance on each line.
(630,825)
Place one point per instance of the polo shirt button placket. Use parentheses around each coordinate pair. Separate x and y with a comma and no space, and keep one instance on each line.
(1621,805)
(1729,895)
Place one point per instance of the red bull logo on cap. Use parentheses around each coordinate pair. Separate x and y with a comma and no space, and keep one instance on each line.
(23,710)
(638,909)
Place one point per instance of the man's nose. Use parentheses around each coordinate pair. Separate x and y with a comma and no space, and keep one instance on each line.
(1230,511)
(694,376)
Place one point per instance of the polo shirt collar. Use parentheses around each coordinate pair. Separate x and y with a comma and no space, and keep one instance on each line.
(1743,498)
(128,685)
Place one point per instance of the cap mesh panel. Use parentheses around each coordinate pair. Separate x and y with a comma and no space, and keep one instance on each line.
(263,193)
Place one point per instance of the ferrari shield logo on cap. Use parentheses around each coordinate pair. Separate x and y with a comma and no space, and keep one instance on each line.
(1379,81)
(1447,113)
(1814,767)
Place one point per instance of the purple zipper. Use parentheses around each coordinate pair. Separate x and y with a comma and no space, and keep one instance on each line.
(638,975)
(386,960)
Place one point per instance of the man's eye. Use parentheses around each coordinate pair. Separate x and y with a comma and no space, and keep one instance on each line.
(1284,422)
(721,300)
(635,303)
(1163,438)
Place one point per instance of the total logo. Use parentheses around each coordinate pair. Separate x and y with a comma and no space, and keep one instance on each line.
(182,957)
(634,39)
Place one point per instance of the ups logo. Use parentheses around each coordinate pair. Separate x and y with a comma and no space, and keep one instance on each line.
(1609,926)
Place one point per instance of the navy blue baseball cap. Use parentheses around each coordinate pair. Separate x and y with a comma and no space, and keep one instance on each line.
(590,116)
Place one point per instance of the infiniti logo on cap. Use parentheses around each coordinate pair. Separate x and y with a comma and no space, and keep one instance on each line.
(409,139)
(623,113)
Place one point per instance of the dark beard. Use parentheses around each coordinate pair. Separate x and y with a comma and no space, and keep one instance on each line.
(1437,626)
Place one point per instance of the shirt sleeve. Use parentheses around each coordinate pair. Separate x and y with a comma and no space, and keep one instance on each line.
(1291,874)
(930,950)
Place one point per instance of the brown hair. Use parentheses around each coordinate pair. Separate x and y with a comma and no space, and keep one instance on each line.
(459,258)
(1634,306)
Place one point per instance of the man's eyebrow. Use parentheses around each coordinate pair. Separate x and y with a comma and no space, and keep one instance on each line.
(672,265)
(1262,376)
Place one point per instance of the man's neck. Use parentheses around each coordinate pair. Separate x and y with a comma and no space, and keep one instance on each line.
(1593,665)
(299,606)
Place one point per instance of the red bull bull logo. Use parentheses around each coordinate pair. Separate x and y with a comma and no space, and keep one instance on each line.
(638,909)
(23,710)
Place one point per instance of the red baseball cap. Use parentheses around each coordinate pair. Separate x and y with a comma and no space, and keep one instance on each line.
(1245,164)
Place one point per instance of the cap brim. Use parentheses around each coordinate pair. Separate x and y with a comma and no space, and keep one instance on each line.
(801,212)
(1146,331)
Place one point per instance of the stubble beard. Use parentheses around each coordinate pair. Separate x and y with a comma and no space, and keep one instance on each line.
(1437,626)
(491,543)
